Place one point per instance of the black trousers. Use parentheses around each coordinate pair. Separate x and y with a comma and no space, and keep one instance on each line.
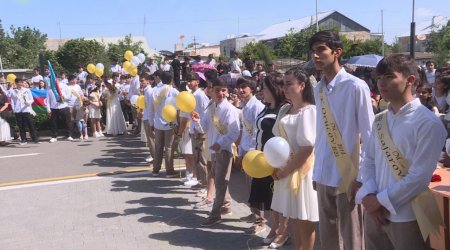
(25,120)
(64,114)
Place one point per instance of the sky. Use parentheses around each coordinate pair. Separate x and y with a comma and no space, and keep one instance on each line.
(206,21)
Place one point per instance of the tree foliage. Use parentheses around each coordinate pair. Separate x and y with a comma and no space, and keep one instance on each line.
(439,43)
(20,49)
(81,52)
(259,51)
(116,51)
(295,45)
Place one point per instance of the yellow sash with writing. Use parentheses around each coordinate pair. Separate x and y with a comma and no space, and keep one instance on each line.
(348,167)
(219,126)
(161,97)
(424,205)
(298,175)
(247,126)
(72,90)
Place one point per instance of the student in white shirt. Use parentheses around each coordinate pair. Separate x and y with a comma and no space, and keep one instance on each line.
(161,130)
(115,67)
(134,89)
(59,108)
(236,63)
(225,122)
(351,107)
(430,73)
(419,136)
(147,82)
(81,75)
(21,101)
(36,78)
(151,66)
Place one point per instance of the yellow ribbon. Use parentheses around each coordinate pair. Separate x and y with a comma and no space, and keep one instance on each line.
(424,205)
(160,97)
(219,127)
(347,166)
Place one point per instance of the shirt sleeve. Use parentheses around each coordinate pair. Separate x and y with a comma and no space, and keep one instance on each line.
(367,171)
(306,127)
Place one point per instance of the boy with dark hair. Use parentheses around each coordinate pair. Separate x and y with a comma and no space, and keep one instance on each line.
(395,191)
(346,115)
(224,121)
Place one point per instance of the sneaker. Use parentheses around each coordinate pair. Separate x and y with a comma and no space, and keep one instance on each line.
(172,174)
(149,159)
(255,229)
(198,186)
(191,182)
(81,138)
(70,138)
(210,222)
(249,218)
(188,177)
(86,137)
(96,135)
(53,140)
(201,193)
(225,211)
(203,204)
(23,143)
(269,238)
(101,134)
(36,142)
(155,173)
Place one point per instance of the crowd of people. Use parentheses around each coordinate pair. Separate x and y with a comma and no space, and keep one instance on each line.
(342,132)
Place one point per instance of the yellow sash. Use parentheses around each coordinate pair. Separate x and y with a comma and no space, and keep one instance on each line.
(72,90)
(161,97)
(219,127)
(298,175)
(247,126)
(348,167)
(424,205)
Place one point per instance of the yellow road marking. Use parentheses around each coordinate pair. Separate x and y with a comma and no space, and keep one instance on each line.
(78,176)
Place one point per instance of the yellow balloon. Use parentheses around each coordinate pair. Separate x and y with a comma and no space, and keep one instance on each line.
(141,102)
(126,65)
(186,102)
(169,113)
(91,68)
(11,78)
(98,72)
(133,70)
(255,164)
(128,55)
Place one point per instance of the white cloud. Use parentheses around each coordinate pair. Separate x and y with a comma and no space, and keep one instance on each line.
(424,12)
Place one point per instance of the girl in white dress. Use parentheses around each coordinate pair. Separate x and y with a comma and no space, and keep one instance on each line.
(115,121)
(294,196)
(95,112)
(5,132)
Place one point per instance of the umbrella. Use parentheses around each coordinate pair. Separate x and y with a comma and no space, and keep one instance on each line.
(370,60)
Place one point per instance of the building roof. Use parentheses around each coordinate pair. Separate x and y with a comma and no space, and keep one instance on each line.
(427,26)
(54,43)
(281,29)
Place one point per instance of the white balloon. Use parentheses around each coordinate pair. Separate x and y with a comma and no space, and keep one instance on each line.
(135,60)
(134,99)
(171,101)
(100,66)
(277,152)
(141,57)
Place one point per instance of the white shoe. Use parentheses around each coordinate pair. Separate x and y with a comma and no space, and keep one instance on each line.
(149,159)
(191,182)
(53,140)
(96,135)
(101,134)
(188,177)
(86,137)
(81,138)
(70,138)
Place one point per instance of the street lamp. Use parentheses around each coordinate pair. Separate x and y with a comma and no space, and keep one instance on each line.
(412,36)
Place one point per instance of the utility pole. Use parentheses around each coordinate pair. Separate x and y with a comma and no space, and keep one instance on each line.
(145,22)
(238,28)
(195,46)
(60,37)
(382,34)
(412,36)
(317,20)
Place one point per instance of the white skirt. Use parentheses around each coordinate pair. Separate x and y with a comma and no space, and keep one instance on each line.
(185,143)
(94,112)
(5,132)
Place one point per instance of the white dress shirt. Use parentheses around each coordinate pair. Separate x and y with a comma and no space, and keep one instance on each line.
(134,87)
(148,98)
(124,88)
(21,100)
(51,101)
(36,79)
(249,113)
(74,101)
(82,76)
(155,114)
(152,68)
(419,136)
(201,103)
(351,106)
(116,68)
(228,117)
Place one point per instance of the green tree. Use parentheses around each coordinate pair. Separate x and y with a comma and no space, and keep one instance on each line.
(295,45)
(117,50)
(357,47)
(82,52)
(259,51)
(21,48)
(439,44)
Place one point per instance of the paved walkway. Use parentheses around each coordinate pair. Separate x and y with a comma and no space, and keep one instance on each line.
(128,211)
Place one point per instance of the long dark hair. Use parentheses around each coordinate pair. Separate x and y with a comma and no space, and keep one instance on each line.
(301,76)
(274,83)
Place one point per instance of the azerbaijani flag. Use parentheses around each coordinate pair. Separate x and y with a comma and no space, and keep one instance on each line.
(39,96)
(54,84)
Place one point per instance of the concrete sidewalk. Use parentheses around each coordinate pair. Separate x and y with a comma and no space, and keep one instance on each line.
(128,211)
